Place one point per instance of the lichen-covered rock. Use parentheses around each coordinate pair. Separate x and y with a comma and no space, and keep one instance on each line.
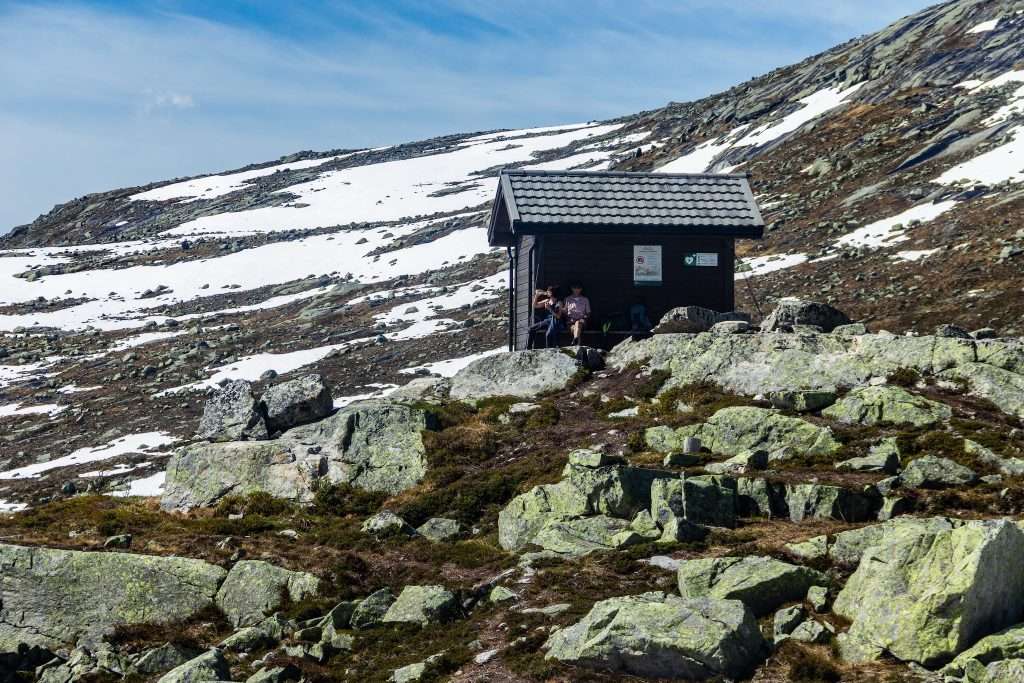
(761,583)
(440,529)
(709,499)
(201,474)
(254,589)
(813,548)
(232,414)
(686,319)
(758,497)
(822,501)
(1003,387)
(848,546)
(526,514)
(928,597)
(519,373)
(374,445)
(1011,467)
(209,666)
(1006,644)
(731,431)
(883,457)
(51,597)
(296,402)
(370,610)
(932,472)
(663,636)
(386,523)
(163,658)
(583,535)
(802,401)
(423,605)
(791,312)
(785,620)
(886,403)
(741,463)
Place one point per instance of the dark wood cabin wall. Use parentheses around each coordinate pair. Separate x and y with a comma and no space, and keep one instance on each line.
(604,264)
(523,288)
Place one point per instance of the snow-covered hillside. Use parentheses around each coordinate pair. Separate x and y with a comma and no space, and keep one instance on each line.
(889,169)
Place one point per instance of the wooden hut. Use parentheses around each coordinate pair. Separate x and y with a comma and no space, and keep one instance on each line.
(662,239)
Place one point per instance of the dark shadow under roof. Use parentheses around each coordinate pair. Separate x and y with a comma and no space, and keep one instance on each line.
(535,202)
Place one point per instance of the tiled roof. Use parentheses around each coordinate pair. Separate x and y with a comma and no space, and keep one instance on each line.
(542,201)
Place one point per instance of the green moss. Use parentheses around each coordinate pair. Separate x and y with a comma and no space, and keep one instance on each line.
(256,503)
(546,415)
(903,377)
(649,387)
(344,499)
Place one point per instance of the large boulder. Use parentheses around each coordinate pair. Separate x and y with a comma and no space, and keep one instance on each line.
(823,501)
(297,402)
(663,636)
(932,472)
(51,597)
(423,605)
(201,474)
(886,403)
(926,597)
(686,319)
(611,490)
(731,431)
(791,312)
(761,583)
(519,373)
(232,414)
(374,445)
(849,546)
(254,589)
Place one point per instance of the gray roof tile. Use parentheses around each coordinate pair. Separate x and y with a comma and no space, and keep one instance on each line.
(702,201)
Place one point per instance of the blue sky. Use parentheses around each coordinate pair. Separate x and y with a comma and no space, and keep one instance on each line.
(102,94)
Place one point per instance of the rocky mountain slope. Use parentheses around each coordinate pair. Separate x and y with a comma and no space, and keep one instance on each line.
(889,170)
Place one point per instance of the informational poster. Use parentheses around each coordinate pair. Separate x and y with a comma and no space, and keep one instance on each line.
(701,259)
(647,264)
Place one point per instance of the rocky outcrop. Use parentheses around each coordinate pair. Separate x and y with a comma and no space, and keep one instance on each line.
(209,666)
(50,597)
(525,374)
(925,597)
(663,636)
(754,364)
(891,404)
(972,664)
(297,402)
(931,472)
(760,583)
(375,445)
(686,319)
(232,414)
(731,431)
(254,589)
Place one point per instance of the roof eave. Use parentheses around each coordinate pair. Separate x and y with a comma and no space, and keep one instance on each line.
(742,231)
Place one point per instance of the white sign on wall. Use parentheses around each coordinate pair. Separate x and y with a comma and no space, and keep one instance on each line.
(701,259)
(647,264)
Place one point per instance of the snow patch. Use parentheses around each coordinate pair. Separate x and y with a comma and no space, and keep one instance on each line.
(133,443)
(889,231)
(448,368)
(985,26)
(147,486)
(762,265)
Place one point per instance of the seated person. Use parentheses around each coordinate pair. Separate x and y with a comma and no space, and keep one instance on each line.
(555,322)
(639,323)
(577,311)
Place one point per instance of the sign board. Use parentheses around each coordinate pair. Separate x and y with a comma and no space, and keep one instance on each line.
(647,264)
(701,259)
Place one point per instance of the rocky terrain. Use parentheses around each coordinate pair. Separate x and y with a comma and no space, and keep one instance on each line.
(257,426)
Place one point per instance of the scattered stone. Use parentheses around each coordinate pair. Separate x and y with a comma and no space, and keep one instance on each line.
(811,631)
(163,658)
(883,457)
(548,610)
(949,588)
(817,597)
(1006,644)
(254,589)
(663,636)
(585,457)
(731,327)
(952,332)
(386,523)
(232,414)
(821,501)
(423,605)
(741,463)
(886,404)
(850,330)
(813,548)
(785,620)
(686,320)
(681,460)
(625,413)
(802,401)
(123,541)
(1011,467)
(761,583)
(933,472)
(297,402)
(849,546)
(439,529)
(501,594)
